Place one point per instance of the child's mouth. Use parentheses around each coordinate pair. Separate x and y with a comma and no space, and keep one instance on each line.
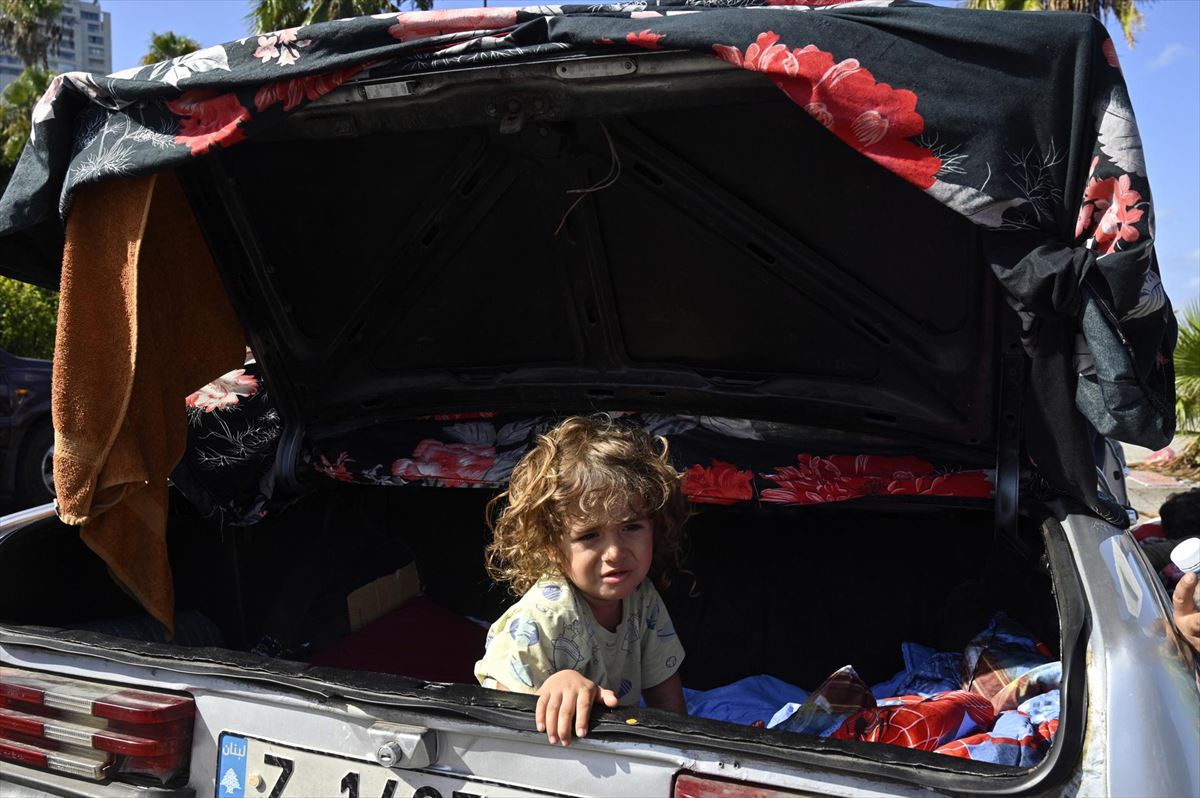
(614,577)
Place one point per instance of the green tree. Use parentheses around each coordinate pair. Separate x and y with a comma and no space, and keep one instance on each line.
(1127,12)
(271,15)
(169,44)
(31,29)
(16,110)
(1187,369)
(27,318)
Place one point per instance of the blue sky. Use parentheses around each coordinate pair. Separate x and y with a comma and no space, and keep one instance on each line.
(1163,72)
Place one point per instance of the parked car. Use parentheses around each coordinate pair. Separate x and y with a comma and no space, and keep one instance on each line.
(26,437)
(434,260)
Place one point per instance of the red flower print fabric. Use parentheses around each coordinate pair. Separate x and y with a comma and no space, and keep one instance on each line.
(292,93)
(414,25)
(720,483)
(225,391)
(1110,212)
(208,119)
(645,38)
(338,468)
(233,431)
(1110,54)
(282,45)
(480,449)
(453,464)
(927,92)
(871,117)
(816,480)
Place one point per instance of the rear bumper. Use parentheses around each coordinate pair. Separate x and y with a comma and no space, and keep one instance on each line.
(485,733)
(18,781)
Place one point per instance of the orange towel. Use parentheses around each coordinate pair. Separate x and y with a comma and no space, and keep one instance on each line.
(143,321)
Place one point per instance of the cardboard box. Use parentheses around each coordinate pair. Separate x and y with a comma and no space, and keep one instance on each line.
(385,594)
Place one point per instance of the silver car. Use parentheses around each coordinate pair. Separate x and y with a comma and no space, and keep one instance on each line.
(421,292)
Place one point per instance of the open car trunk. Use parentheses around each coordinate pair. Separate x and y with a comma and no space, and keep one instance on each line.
(417,248)
(804,592)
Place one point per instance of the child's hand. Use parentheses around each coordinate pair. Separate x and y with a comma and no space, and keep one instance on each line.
(565,697)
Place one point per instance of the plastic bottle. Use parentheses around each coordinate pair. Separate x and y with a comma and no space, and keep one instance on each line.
(1186,556)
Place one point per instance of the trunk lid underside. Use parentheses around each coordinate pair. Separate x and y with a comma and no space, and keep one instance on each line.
(430,252)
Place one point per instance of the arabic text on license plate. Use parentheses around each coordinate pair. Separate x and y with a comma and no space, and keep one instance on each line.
(251,768)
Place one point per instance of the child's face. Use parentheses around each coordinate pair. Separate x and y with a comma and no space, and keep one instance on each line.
(607,561)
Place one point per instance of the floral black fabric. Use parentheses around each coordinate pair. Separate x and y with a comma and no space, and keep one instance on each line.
(724,461)
(1020,122)
(233,431)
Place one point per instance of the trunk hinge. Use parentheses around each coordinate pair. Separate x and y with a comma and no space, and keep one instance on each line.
(1008,442)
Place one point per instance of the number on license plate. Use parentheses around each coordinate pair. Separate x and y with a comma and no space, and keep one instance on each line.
(251,768)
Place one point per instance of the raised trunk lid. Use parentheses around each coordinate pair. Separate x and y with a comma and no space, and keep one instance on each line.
(673,235)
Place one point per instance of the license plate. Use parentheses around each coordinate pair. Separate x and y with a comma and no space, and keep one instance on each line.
(252,768)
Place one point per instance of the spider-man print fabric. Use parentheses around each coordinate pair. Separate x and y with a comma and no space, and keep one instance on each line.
(1020,122)
(943,702)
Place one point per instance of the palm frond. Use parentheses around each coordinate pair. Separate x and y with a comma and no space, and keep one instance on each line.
(1128,13)
(168,44)
(16,109)
(1004,5)
(1187,370)
(271,15)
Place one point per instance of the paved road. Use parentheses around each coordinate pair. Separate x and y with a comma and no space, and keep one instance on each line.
(1149,489)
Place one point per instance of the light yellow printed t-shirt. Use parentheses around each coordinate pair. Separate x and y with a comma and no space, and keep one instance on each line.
(552,628)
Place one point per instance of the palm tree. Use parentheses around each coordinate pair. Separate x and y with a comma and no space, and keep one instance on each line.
(16,110)
(31,29)
(270,15)
(169,44)
(1187,369)
(1126,11)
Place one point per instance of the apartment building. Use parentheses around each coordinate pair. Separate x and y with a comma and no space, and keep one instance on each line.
(86,43)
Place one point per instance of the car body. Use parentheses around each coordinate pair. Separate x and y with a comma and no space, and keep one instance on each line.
(26,438)
(413,326)
(1136,691)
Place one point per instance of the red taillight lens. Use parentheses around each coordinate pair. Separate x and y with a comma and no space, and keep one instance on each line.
(93,730)
(49,755)
(689,786)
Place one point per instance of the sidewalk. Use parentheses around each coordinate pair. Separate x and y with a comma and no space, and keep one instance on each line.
(1149,489)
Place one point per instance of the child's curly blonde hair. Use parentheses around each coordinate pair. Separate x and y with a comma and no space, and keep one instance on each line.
(587,468)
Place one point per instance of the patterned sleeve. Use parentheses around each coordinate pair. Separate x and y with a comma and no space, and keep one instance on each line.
(662,652)
(519,652)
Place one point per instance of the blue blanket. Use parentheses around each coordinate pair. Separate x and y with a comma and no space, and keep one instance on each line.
(1024,693)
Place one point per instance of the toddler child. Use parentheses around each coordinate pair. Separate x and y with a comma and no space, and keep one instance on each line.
(588,510)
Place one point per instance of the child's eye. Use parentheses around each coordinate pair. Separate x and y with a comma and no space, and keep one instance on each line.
(586,536)
(634,526)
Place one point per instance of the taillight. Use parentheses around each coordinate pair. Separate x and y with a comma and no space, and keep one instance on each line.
(93,730)
(689,786)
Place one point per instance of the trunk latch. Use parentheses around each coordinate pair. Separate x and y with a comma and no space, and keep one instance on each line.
(400,746)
